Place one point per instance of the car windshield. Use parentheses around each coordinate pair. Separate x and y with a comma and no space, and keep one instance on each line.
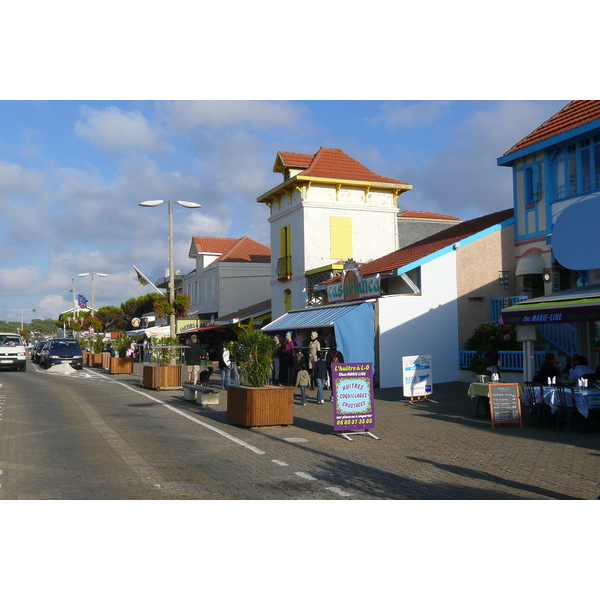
(65,344)
(10,340)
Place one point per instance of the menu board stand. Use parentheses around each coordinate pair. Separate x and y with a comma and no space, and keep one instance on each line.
(505,403)
(347,434)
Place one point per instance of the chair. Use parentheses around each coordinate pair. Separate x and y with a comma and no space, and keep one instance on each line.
(565,403)
(534,396)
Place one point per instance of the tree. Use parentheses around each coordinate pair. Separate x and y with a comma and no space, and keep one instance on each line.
(112,318)
(136,307)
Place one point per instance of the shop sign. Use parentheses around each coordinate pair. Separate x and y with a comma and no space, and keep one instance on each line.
(184,325)
(352,395)
(353,286)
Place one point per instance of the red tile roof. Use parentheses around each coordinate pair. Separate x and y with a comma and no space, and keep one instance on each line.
(213,245)
(294,159)
(247,250)
(574,114)
(332,163)
(435,242)
(419,214)
(241,249)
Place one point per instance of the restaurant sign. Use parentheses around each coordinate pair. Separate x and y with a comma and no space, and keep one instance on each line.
(353,286)
(572,313)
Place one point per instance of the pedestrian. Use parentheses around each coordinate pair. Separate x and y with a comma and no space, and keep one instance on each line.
(193,356)
(320,376)
(146,350)
(276,360)
(492,362)
(303,381)
(314,347)
(234,368)
(225,366)
(333,356)
(287,360)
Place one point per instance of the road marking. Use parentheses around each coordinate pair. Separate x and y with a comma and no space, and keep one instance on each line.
(305,476)
(338,491)
(280,463)
(189,417)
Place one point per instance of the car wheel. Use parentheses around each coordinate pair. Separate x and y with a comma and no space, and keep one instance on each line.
(23,368)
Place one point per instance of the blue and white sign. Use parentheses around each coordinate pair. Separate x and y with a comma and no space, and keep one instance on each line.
(416,375)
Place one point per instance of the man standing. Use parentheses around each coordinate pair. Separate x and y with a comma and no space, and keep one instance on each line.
(193,356)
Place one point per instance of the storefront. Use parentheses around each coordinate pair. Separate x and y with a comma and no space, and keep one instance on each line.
(350,325)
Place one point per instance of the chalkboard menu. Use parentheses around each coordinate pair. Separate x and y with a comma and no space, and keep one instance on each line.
(505,403)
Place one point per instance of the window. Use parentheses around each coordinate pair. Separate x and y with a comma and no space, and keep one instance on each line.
(340,238)
(284,264)
(533,186)
(578,168)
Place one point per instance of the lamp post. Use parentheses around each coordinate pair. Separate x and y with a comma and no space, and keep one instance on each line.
(151,204)
(22,305)
(92,274)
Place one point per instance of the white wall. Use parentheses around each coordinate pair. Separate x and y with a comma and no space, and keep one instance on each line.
(425,324)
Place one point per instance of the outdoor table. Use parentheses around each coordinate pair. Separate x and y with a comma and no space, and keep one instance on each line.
(586,399)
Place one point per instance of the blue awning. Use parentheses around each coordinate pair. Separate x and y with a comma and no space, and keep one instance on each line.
(310,317)
(354,326)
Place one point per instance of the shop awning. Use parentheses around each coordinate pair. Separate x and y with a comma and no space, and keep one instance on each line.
(569,306)
(530,265)
(354,326)
(309,318)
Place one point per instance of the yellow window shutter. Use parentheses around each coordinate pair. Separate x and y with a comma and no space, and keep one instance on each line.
(341,237)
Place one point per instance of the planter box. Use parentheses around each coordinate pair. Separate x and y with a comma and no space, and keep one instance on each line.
(255,407)
(162,378)
(106,360)
(85,357)
(121,365)
(95,360)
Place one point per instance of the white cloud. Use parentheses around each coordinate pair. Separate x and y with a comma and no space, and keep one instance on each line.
(115,130)
(260,114)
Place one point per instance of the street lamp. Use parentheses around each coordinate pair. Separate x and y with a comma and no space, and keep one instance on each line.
(151,204)
(22,305)
(92,274)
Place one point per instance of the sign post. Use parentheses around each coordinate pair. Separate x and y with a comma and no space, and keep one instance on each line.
(352,395)
(417,378)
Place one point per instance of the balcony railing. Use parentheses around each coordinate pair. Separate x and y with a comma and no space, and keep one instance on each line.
(284,267)
(497,304)
(511,361)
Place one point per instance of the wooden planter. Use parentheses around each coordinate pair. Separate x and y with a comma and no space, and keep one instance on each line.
(255,407)
(161,378)
(95,360)
(121,365)
(106,360)
(85,357)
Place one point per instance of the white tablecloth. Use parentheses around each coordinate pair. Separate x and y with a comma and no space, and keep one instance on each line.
(586,399)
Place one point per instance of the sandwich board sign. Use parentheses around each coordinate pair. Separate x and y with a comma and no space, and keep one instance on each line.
(417,377)
(353,400)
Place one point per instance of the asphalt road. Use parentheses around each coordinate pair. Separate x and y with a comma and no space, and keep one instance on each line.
(86,435)
(89,435)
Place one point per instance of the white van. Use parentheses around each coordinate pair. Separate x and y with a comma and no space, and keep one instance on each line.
(12,351)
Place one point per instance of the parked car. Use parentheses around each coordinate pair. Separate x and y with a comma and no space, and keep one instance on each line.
(12,351)
(62,351)
(35,352)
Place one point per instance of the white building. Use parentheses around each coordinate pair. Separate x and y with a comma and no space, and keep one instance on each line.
(329,208)
(230,275)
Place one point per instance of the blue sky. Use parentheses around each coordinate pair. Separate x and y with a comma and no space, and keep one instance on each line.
(83,138)
(73,172)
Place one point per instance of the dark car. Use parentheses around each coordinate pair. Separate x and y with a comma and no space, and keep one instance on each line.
(35,351)
(62,351)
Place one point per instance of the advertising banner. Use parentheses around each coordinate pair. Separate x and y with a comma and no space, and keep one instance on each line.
(352,395)
(416,375)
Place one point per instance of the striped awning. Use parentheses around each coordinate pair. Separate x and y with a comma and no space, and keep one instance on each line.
(569,306)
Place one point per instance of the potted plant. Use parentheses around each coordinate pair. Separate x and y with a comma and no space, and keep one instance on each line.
(97,343)
(163,375)
(255,403)
(121,363)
